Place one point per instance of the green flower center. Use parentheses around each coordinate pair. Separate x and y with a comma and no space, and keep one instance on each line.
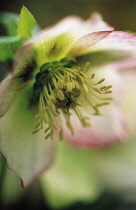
(58,88)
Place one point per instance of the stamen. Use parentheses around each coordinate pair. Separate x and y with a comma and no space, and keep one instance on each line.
(58,89)
(93,75)
(109,91)
(100,81)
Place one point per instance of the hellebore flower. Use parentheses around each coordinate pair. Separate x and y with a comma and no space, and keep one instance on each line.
(59,88)
(82,175)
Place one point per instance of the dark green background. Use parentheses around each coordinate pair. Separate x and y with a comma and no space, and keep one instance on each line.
(119,13)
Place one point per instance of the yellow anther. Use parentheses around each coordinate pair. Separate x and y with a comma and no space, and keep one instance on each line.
(96,110)
(93,75)
(37,116)
(55,93)
(97,90)
(109,91)
(36,130)
(100,81)
(84,122)
(77,85)
(103,88)
(53,98)
(37,125)
(60,84)
(102,104)
(108,87)
(46,130)
(69,86)
(108,99)
(48,135)
(73,84)
(60,95)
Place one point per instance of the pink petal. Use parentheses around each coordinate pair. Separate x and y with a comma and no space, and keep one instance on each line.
(27,154)
(105,40)
(67,24)
(118,40)
(126,64)
(71,28)
(108,128)
(105,130)
(79,26)
(75,25)
(96,23)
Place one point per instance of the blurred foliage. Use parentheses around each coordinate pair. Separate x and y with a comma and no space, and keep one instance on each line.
(106,202)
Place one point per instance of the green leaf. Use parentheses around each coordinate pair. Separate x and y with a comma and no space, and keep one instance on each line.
(8,46)
(10,22)
(26,23)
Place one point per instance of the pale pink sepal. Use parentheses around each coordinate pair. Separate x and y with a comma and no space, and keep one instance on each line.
(104,131)
(105,40)
(27,154)
(96,23)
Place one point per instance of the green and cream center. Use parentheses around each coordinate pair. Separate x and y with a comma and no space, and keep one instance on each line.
(61,86)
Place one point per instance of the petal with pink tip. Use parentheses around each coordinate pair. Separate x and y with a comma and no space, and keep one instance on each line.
(105,130)
(96,23)
(78,26)
(105,40)
(55,42)
(126,64)
(27,154)
(66,25)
